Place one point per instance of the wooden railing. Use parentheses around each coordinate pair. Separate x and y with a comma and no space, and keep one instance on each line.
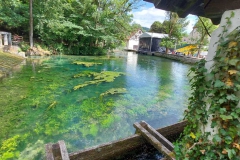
(16,39)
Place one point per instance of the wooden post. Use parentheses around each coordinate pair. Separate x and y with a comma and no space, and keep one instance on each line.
(49,153)
(154,141)
(63,150)
(157,135)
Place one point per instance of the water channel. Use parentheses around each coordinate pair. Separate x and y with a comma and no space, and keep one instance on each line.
(38,103)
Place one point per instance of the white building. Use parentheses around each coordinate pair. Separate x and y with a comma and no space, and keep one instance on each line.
(151,42)
(133,40)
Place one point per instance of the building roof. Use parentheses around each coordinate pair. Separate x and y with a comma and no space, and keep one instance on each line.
(212,9)
(153,35)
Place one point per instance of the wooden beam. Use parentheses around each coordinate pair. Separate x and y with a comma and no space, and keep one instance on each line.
(151,139)
(109,150)
(49,153)
(63,150)
(157,135)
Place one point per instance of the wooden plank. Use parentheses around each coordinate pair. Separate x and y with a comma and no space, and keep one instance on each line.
(49,153)
(158,136)
(109,150)
(63,150)
(174,129)
(151,139)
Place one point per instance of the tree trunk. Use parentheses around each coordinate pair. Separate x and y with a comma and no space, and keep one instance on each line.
(30,24)
(199,50)
(167,50)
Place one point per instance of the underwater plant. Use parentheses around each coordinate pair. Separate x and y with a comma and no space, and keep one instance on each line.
(104,76)
(86,64)
(114,91)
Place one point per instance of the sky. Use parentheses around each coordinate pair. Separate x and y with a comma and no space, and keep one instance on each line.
(146,14)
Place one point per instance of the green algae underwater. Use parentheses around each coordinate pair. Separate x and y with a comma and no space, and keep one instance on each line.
(86,101)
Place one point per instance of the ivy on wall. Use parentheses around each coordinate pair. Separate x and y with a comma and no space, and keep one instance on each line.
(215,98)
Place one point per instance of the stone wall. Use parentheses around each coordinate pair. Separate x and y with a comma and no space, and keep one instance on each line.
(183,59)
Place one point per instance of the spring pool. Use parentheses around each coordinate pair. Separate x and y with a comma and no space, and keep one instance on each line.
(41,103)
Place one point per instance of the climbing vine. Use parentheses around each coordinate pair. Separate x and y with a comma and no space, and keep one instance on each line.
(214,100)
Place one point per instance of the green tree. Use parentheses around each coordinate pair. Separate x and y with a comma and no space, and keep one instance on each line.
(14,15)
(174,27)
(157,27)
(203,27)
(86,27)
(72,26)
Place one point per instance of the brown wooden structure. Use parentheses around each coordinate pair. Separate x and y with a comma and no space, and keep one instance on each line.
(162,144)
(212,9)
(111,150)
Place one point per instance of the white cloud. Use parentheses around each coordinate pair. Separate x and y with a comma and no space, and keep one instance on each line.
(146,16)
(192,20)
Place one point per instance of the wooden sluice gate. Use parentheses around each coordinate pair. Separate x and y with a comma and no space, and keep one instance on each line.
(144,134)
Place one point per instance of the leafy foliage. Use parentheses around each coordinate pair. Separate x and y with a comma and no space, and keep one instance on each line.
(14,15)
(202,40)
(86,27)
(157,27)
(215,99)
(174,27)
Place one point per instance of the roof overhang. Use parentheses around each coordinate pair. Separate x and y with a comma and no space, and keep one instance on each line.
(212,9)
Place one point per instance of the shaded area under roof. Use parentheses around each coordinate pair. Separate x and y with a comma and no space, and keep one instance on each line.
(212,9)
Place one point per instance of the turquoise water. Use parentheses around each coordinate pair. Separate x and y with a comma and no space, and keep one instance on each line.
(38,104)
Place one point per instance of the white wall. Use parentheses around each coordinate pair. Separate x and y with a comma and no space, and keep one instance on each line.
(131,43)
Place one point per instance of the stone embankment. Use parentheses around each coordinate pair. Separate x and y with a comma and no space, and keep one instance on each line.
(7,63)
(183,59)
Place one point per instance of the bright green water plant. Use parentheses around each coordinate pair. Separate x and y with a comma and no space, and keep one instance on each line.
(104,76)
(114,91)
(86,64)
